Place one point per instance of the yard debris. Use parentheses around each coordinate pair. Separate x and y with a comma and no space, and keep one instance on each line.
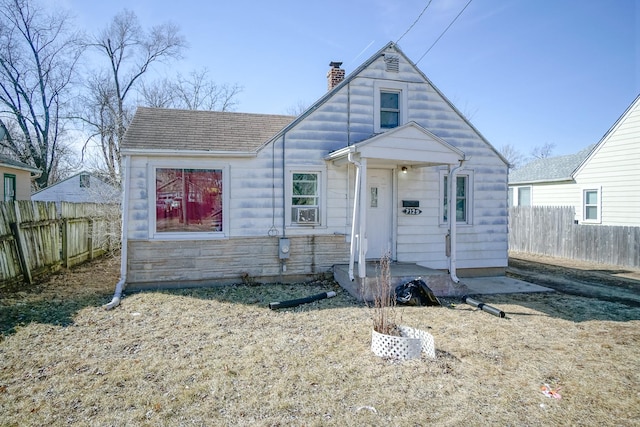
(550,392)
(297,302)
(484,307)
(368,408)
(416,292)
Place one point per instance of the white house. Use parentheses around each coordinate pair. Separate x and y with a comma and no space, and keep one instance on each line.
(366,170)
(602,182)
(83,187)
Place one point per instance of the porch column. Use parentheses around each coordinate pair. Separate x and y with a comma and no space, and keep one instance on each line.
(362,241)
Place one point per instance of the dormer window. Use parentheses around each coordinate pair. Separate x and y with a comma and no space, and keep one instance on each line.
(389,109)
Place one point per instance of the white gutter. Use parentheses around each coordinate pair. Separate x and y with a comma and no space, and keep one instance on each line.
(453,222)
(117,296)
(356,203)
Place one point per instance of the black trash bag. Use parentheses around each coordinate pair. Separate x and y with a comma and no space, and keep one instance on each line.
(415,292)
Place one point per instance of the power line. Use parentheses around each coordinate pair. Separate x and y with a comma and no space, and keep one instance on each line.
(415,22)
(445,30)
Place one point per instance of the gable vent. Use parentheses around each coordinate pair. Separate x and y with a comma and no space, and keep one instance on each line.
(393,63)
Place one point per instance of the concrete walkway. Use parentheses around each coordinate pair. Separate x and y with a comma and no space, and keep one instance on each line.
(500,285)
(438,281)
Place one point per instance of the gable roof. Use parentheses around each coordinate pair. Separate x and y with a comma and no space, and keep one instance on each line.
(635,106)
(363,66)
(155,129)
(410,144)
(558,168)
(6,161)
(62,181)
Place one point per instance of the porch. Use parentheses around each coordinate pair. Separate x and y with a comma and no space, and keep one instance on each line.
(438,281)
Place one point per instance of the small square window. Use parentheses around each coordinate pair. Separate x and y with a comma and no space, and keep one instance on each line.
(85,181)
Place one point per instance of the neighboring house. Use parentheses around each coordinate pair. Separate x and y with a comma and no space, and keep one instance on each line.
(602,181)
(82,187)
(216,196)
(16,178)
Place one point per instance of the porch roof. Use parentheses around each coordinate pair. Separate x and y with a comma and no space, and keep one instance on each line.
(410,145)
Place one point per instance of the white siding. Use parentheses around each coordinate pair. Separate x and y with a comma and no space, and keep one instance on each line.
(256,184)
(615,167)
(69,190)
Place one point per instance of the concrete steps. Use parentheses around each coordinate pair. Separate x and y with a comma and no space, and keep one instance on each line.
(438,281)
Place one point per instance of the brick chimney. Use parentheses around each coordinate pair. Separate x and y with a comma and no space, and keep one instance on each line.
(335,74)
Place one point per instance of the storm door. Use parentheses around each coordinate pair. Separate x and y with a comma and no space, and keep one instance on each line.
(379,212)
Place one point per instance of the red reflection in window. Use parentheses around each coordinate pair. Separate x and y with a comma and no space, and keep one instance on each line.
(188,200)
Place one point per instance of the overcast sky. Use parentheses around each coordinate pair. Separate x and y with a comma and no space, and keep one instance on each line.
(526,72)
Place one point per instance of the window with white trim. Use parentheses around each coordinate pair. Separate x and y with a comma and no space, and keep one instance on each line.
(188,201)
(389,109)
(591,203)
(390,105)
(304,198)
(463,198)
(9,187)
(524,196)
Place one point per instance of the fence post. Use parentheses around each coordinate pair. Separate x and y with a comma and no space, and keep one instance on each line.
(90,238)
(65,242)
(23,250)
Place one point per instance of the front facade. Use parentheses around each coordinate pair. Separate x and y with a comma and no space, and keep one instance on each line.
(16,179)
(365,171)
(600,182)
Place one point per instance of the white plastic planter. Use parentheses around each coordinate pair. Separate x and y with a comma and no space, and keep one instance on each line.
(409,345)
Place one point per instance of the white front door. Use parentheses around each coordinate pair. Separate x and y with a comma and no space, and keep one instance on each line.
(379,212)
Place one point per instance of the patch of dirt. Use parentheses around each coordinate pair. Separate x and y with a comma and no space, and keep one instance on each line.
(591,280)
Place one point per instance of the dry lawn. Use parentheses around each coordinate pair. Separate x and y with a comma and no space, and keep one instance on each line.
(219,357)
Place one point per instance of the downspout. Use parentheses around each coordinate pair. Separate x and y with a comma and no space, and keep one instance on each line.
(117,296)
(362,220)
(453,222)
(283,266)
(356,203)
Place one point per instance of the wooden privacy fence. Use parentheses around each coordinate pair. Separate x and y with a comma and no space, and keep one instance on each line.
(551,231)
(35,238)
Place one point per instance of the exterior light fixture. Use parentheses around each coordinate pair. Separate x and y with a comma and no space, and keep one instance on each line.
(404,169)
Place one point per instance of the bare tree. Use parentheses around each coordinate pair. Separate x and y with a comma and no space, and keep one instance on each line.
(196,91)
(513,156)
(543,151)
(38,56)
(297,109)
(129,51)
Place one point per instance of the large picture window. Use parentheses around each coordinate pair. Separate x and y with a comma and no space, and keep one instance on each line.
(189,200)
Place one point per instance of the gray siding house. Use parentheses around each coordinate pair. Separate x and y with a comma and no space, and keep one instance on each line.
(382,164)
(601,181)
(83,187)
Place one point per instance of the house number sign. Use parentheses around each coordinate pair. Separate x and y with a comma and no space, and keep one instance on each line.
(412,211)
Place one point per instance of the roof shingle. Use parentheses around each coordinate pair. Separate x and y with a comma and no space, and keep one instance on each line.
(549,169)
(169,129)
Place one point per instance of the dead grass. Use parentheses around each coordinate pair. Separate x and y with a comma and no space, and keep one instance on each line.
(220,357)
